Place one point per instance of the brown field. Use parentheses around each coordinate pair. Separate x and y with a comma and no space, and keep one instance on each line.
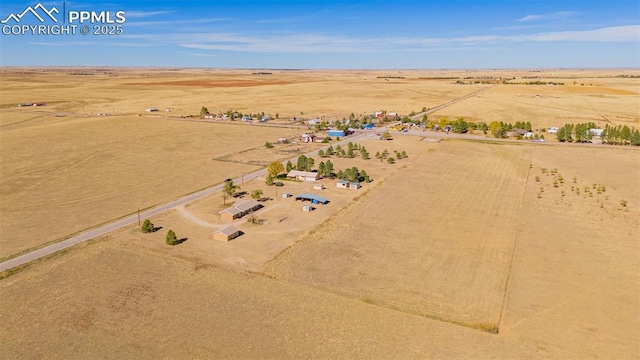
(461,239)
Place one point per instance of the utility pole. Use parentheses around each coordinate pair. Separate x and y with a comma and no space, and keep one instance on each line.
(138,216)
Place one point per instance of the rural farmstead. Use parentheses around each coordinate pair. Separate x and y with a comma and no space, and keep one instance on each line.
(240,209)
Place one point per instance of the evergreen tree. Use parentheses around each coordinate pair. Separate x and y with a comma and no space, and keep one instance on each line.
(289,166)
(330,151)
(147,226)
(328,169)
(171,238)
(321,153)
(302,163)
(364,153)
(269,180)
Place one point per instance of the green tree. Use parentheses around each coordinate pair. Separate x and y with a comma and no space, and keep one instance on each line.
(321,168)
(378,155)
(404,154)
(386,136)
(364,153)
(635,138)
(269,180)
(625,134)
(289,166)
(228,190)
(459,126)
(350,153)
(330,151)
(302,163)
(275,168)
(256,194)
(364,176)
(147,227)
(391,160)
(268,145)
(321,153)
(309,164)
(203,111)
(171,238)
(277,115)
(328,169)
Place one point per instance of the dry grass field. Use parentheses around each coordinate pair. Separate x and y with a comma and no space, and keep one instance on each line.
(538,242)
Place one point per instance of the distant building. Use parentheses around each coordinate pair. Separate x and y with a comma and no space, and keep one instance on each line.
(354,185)
(368,126)
(315,199)
(152,109)
(552,130)
(314,121)
(208,116)
(343,184)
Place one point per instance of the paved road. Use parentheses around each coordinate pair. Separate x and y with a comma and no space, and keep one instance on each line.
(131,219)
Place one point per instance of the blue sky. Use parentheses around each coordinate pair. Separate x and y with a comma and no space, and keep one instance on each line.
(340,35)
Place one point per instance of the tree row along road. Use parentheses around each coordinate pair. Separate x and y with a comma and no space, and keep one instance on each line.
(131,219)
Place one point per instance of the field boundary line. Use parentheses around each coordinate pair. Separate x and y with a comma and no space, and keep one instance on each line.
(507,284)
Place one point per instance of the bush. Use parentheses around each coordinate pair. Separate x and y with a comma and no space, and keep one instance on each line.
(268,145)
(391,160)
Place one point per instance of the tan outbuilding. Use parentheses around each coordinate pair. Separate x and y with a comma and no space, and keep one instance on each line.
(227,234)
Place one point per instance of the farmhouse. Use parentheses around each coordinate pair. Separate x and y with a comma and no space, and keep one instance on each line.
(303,175)
(227,234)
(240,209)
(315,199)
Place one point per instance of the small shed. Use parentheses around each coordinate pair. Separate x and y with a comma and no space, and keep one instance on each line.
(354,186)
(343,184)
(152,109)
(227,234)
(318,187)
(308,208)
(286,195)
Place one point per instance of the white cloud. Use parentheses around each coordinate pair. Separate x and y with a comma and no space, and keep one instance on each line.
(551,16)
(317,43)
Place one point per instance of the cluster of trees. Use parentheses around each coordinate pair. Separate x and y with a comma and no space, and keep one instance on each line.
(304,163)
(391,159)
(353,175)
(459,125)
(577,132)
(499,129)
(326,169)
(340,152)
(620,135)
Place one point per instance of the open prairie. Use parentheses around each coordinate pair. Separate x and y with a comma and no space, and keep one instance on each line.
(556,274)
(466,249)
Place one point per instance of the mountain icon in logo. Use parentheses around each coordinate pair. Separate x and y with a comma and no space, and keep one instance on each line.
(34,12)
